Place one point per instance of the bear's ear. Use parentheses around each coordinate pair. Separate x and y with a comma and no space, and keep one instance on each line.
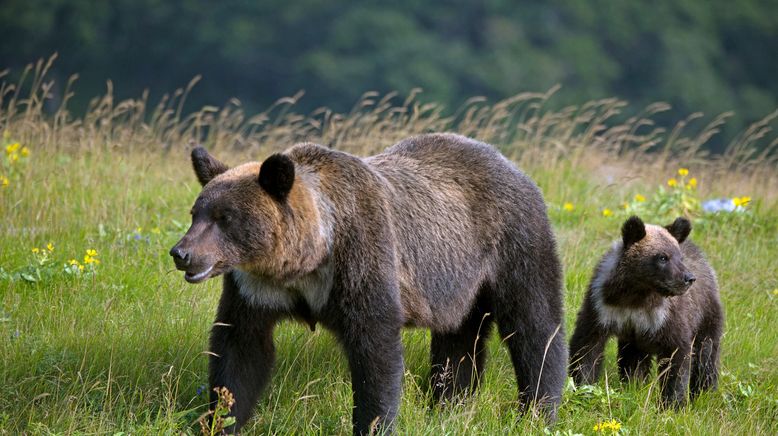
(632,231)
(680,229)
(206,167)
(276,176)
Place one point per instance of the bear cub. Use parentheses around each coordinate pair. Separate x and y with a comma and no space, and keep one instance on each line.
(658,295)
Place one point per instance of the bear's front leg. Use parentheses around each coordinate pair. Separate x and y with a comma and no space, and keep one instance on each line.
(375,359)
(242,352)
(633,362)
(674,374)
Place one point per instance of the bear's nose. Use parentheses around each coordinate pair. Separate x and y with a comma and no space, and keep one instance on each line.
(180,256)
(689,278)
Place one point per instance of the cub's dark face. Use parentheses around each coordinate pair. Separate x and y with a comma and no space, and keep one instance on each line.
(652,258)
(235,219)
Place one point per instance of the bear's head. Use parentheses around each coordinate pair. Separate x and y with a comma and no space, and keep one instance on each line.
(651,258)
(255,217)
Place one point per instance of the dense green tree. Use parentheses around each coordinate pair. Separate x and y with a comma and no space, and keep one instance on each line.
(709,56)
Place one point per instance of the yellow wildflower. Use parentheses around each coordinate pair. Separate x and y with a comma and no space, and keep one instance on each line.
(683,172)
(13,157)
(139,230)
(775,291)
(625,205)
(91,257)
(639,198)
(11,148)
(36,250)
(607,212)
(50,246)
(611,425)
(693,182)
(72,262)
(568,206)
(741,201)
(4,181)
(672,182)
(25,151)
(80,267)
(155,230)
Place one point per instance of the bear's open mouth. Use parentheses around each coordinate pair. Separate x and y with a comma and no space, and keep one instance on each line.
(199,277)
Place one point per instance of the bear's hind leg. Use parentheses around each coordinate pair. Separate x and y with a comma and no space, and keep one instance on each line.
(528,310)
(458,357)
(587,346)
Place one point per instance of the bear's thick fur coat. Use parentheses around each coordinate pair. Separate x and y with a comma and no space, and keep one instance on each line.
(439,231)
(658,295)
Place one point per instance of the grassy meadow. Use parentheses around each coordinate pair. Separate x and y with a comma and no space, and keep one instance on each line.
(99,334)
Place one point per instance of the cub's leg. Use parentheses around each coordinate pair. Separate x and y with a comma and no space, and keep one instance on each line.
(242,351)
(674,372)
(458,357)
(587,346)
(634,363)
(705,366)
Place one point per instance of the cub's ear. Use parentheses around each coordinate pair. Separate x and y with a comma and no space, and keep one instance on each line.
(276,176)
(680,229)
(632,231)
(206,167)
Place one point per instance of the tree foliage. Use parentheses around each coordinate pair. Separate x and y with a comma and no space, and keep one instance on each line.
(708,56)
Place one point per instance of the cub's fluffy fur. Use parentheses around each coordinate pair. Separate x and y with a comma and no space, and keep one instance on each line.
(439,231)
(658,295)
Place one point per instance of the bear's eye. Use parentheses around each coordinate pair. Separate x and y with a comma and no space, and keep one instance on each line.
(223,217)
(662,258)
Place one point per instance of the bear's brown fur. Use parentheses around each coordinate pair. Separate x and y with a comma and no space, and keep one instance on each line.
(655,291)
(439,231)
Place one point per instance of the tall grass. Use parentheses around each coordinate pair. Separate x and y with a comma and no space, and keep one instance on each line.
(121,350)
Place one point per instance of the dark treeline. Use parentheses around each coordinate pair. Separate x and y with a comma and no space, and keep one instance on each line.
(710,56)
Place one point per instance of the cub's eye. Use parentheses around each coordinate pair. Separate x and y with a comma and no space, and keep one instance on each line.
(662,258)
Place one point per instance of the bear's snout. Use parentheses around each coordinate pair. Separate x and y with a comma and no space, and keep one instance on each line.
(196,268)
(689,279)
(181,257)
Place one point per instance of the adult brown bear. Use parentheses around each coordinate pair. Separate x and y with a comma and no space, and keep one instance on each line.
(439,231)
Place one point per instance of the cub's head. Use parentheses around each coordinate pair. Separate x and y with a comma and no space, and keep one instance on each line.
(240,219)
(651,259)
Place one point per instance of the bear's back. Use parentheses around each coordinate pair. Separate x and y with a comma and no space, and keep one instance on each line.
(458,212)
(454,163)
(456,205)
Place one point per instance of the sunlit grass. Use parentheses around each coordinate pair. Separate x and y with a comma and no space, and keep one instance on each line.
(119,348)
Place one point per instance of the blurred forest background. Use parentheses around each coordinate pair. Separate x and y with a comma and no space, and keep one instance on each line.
(709,56)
